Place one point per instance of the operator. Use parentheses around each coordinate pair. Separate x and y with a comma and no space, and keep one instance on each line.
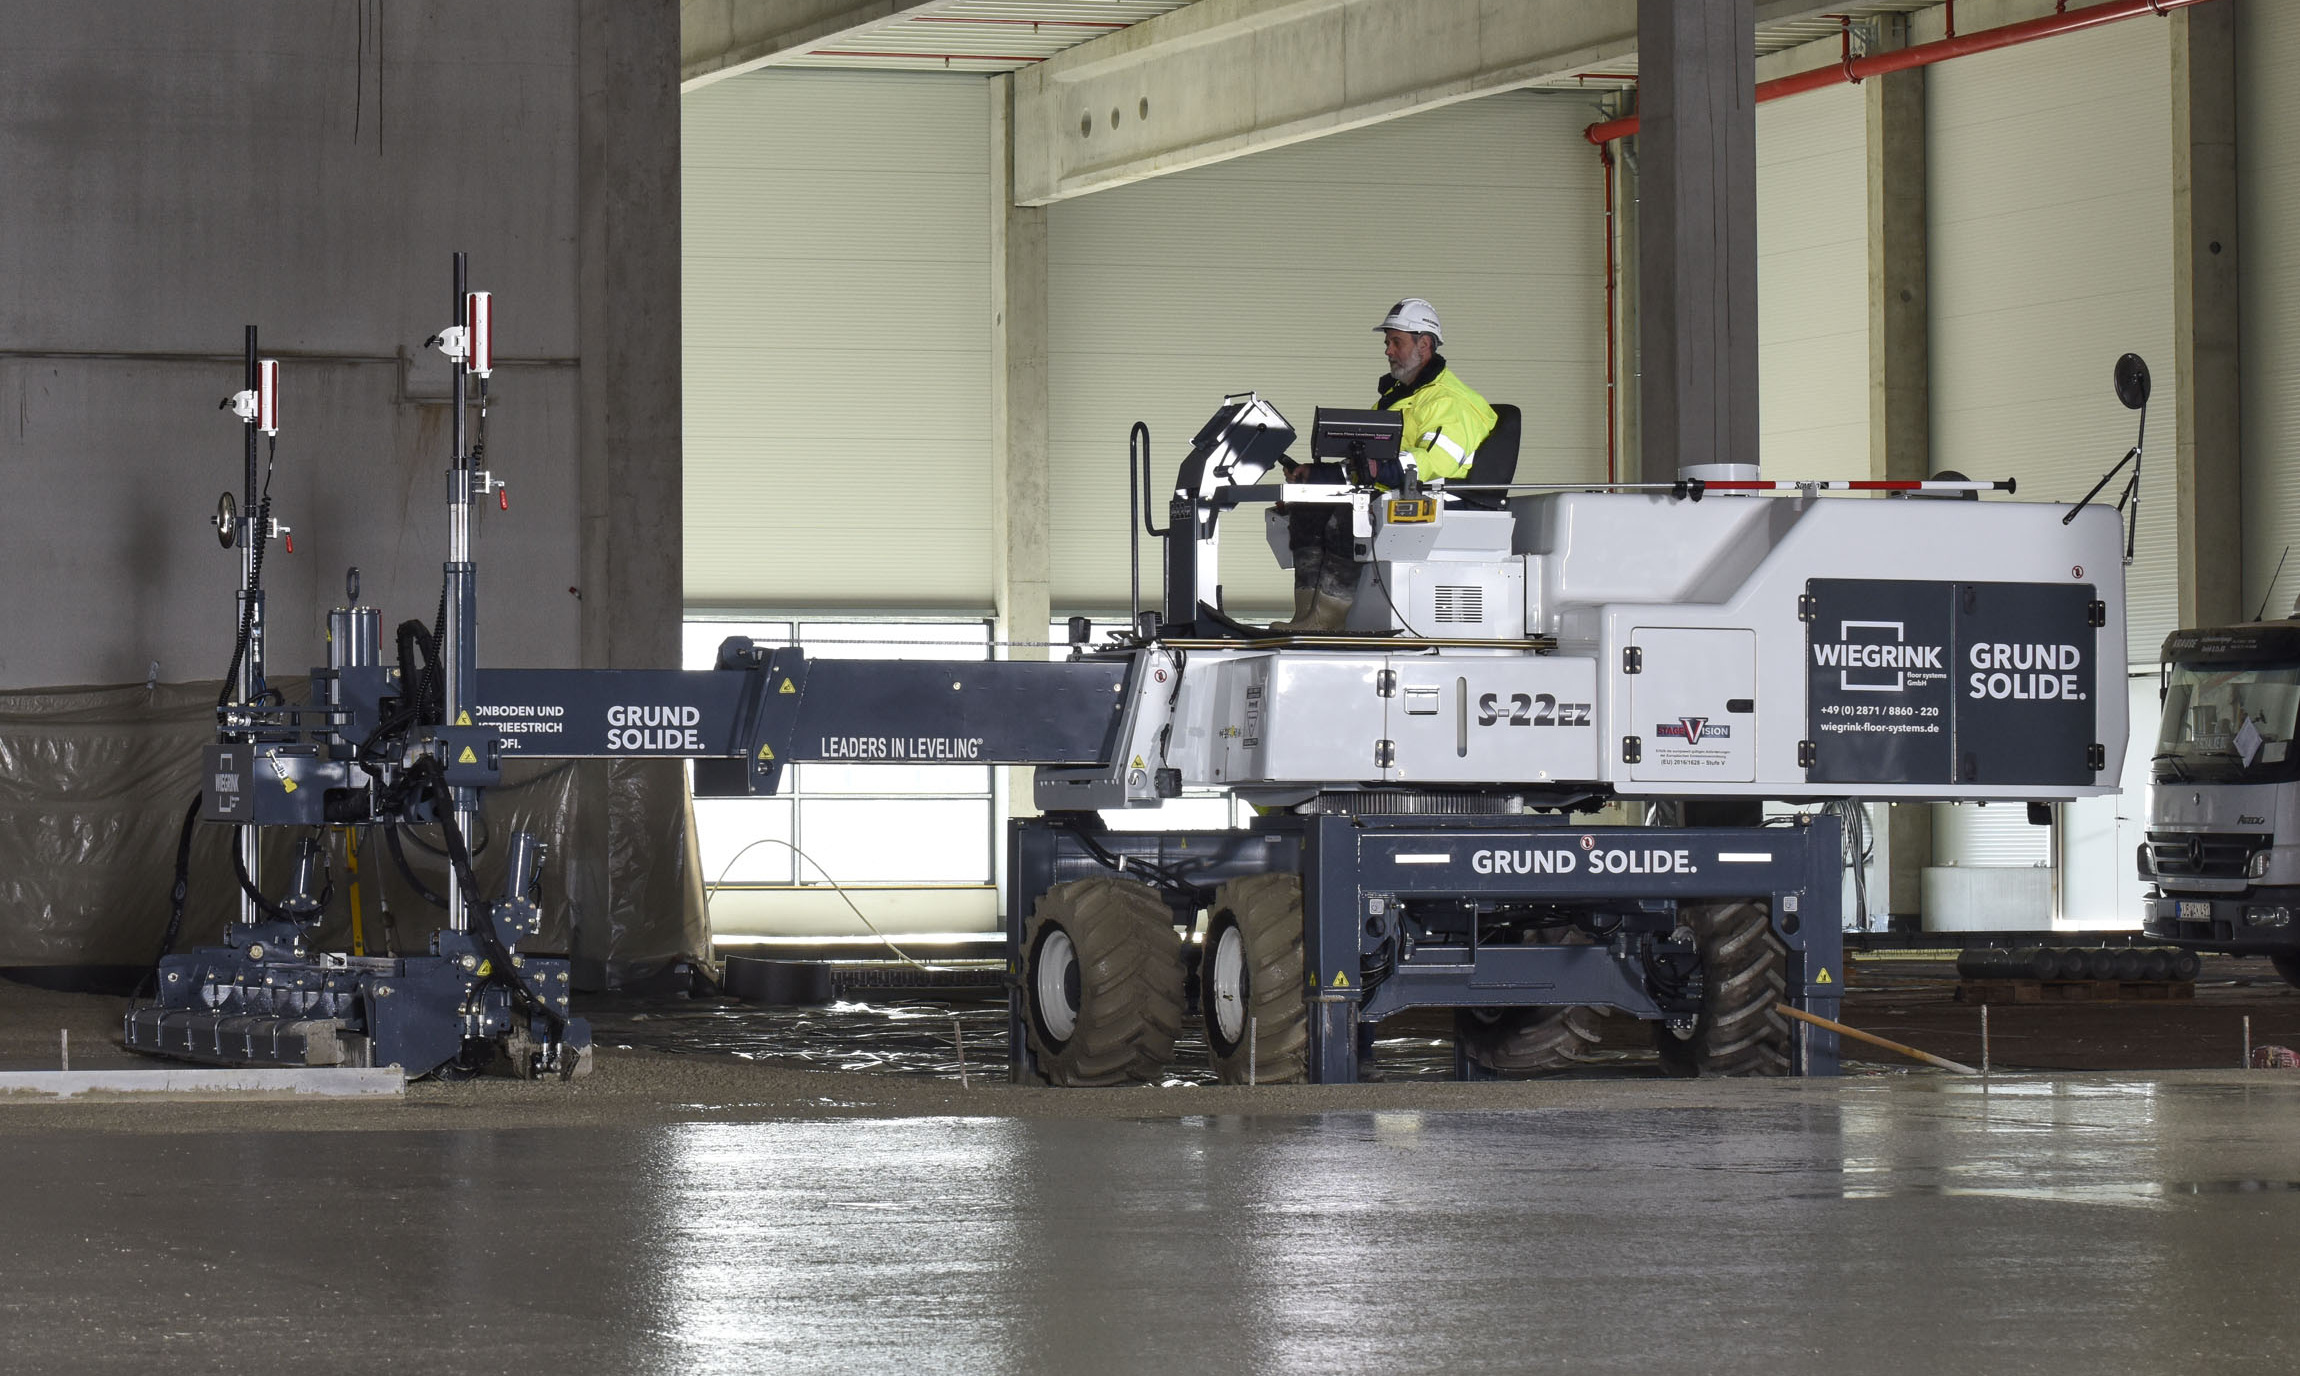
(1445,422)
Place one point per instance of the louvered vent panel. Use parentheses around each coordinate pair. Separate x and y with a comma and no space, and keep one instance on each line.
(1460,605)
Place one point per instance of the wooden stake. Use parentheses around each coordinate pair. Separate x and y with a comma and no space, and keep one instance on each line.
(1858,1035)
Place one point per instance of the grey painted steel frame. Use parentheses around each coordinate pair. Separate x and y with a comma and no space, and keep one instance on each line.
(1346,863)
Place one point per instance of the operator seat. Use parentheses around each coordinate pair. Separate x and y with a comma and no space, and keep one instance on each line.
(1495,460)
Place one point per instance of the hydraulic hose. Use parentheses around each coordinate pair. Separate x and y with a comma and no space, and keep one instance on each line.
(434,779)
(255,582)
(176,895)
(256,895)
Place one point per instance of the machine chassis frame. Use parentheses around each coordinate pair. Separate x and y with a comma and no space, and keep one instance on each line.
(1348,863)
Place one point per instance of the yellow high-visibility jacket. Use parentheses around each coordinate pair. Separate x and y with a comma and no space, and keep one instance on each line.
(1445,420)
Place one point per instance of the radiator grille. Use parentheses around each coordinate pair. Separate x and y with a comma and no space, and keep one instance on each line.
(1460,604)
(2204,855)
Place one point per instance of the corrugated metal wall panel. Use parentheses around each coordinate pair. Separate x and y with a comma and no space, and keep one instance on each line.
(1268,273)
(837,301)
(2268,235)
(2050,215)
(1813,285)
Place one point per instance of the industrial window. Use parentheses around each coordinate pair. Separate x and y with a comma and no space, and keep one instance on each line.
(878,824)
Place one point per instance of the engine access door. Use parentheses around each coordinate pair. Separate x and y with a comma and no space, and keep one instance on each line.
(1692,706)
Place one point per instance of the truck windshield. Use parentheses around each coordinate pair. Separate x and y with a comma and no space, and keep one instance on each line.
(2229,722)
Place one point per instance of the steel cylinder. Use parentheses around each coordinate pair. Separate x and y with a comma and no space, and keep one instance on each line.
(353,637)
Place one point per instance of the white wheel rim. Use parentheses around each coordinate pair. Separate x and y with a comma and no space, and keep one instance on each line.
(1230,985)
(1056,958)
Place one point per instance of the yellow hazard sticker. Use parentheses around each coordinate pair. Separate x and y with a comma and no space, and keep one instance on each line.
(486,968)
(788,687)
(1137,761)
(1341,979)
(467,757)
(463,718)
(1823,977)
(766,752)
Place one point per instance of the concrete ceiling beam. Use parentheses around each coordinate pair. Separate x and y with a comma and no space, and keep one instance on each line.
(1222,78)
(723,38)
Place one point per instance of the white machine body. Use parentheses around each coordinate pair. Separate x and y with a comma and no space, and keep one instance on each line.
(1637,645)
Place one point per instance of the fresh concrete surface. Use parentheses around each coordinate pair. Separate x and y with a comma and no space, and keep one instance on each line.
(831,1222)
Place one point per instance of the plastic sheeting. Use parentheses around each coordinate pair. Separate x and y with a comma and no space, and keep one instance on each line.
(95,782)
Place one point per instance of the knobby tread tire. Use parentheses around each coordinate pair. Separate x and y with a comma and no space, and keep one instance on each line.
(1523,1039)
(1267,909)
(1745,977)
(1130,983)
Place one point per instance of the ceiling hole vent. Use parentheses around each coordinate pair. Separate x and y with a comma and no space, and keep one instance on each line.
(1460,604)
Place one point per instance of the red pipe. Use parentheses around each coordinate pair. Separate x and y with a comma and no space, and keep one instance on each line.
(1612,363)
(1855,70)
(944,58)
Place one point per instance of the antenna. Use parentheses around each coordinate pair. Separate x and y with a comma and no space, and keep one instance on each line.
(2270,591)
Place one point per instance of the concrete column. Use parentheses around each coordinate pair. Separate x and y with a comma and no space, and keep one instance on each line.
(1698,235)
(1908,843)
(2205,306)
(1900,345)
(627,175)
(1900,363)
(629,457)
(1018,409)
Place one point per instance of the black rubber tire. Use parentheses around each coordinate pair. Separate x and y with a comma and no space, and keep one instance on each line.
(1524,1039)
(2287,966)
(1744,979)
(1262,915)
(1125,975)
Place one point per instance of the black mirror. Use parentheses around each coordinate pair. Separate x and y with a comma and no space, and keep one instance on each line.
(2132,381)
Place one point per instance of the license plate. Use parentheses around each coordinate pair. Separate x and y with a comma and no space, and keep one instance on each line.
(2195,912)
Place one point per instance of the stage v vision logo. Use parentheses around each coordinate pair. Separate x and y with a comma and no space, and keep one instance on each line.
(1875,657)
(1693,730)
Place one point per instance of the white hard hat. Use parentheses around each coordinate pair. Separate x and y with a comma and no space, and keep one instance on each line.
(1414,316)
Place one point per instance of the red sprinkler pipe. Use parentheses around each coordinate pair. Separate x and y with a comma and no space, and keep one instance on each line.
(1612,352)
(1859,69)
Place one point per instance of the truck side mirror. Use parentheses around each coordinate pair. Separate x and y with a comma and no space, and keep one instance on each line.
(2132,381)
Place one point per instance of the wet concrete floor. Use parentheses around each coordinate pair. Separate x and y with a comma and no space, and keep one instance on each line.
(1890,1224)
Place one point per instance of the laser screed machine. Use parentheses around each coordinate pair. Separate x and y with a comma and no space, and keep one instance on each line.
(1520,655)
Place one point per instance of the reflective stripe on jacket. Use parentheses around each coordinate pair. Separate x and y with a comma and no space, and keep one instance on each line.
(1445,420)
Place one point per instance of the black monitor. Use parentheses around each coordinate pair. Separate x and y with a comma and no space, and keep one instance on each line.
(1366,440)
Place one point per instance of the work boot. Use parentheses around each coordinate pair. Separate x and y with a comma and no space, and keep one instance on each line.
(1328,615)
(1304,600)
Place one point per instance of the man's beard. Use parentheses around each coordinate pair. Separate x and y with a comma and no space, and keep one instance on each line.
(1406,370)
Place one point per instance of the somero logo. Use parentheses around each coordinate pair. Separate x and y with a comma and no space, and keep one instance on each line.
(1692,729)
(1871,657)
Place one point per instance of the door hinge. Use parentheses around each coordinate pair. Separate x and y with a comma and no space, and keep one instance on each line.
(2096,614)
(2097,757)
(1808,606)
(1807,755)
(1633,660)
(1385,754)
(1632,750)
(1386,683)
